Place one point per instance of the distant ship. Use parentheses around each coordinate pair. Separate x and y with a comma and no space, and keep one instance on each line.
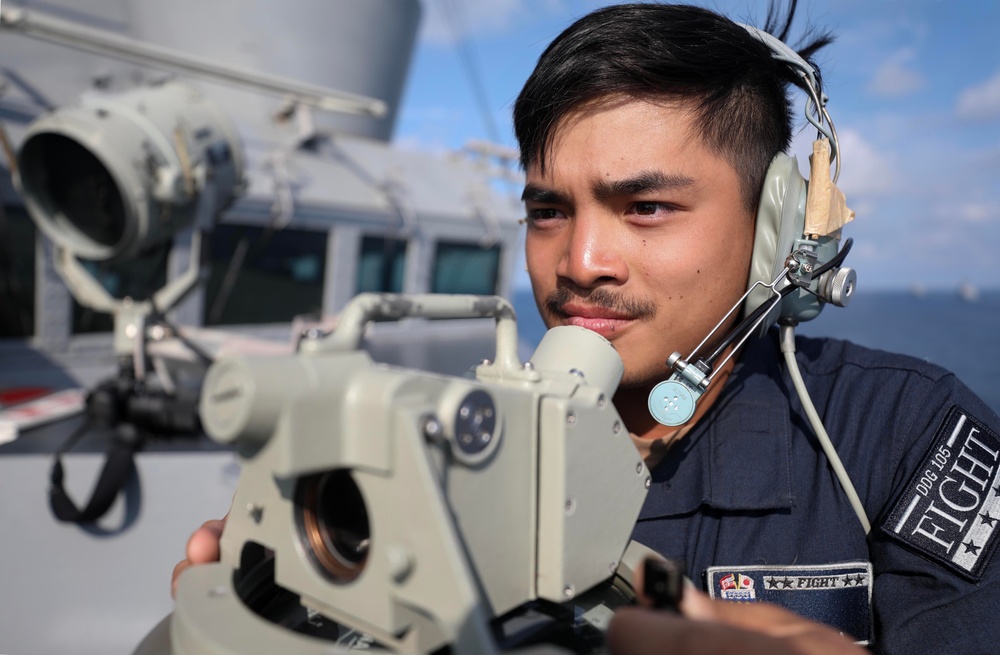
(968,292)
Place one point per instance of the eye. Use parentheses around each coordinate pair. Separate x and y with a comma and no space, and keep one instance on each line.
(544,217)
(649,208)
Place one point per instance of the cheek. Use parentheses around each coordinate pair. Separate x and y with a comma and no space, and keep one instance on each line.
(541,256)
(541,273)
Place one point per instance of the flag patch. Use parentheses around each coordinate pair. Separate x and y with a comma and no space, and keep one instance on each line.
(949,509)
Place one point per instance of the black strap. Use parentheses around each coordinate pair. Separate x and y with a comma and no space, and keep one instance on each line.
(118,467)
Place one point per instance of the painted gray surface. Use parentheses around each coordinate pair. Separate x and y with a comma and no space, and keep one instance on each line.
(64,590)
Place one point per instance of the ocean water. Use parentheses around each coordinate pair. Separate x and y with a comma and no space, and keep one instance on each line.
(941,327)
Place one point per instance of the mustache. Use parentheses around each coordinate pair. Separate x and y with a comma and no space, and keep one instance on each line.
(620,303)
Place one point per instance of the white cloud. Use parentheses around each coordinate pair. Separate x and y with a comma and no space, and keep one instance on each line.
(981,103)
(446,22)
(970,212)
(865,173)
(897,76)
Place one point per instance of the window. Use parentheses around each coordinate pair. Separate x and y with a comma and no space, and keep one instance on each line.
(17,273)
(259,275)
(465,268)
(381,263)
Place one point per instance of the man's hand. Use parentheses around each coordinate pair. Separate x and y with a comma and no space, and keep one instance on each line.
(715,627)
(202,548)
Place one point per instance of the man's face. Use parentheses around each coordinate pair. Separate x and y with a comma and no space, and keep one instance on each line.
(636,230)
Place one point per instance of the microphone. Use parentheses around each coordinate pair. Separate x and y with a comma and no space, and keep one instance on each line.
(673,401)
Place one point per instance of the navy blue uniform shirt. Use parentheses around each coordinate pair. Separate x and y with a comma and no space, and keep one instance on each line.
(750,503)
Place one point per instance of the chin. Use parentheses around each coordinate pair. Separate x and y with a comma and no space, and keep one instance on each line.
(644,378)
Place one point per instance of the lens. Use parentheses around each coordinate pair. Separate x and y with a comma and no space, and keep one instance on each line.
(70,182)
(333,522)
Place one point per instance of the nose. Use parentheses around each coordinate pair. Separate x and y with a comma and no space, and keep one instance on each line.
(593,254)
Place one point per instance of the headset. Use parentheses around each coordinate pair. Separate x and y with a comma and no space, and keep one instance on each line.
(795,269)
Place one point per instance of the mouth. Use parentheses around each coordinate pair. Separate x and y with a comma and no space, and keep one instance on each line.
(604,322)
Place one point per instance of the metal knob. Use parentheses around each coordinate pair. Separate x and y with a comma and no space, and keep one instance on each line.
(838,288)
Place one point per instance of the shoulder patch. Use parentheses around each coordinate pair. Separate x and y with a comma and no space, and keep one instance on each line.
(948,511)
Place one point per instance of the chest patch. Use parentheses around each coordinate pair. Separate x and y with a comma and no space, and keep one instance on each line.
(949,509)
(839,595)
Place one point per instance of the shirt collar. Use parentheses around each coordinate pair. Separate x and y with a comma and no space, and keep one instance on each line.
(738,456)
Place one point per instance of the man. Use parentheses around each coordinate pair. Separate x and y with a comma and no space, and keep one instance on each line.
(646,132)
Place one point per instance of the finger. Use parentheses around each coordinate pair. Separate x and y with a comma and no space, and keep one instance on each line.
(178,569)
(636,631)
(763,617)
(203,546)
(698,606)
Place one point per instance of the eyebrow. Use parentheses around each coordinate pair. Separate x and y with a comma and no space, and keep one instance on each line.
(542,195)
(643,182)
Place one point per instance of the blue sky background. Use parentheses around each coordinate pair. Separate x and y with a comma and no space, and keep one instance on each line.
(914,90)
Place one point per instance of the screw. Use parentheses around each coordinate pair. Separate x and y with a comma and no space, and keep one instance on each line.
(648,482)
(256,512)
(400,563)
(431,427)
(571,419)
(568,591)
(313,333)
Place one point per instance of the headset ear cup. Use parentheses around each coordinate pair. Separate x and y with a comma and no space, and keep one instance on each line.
(780,221)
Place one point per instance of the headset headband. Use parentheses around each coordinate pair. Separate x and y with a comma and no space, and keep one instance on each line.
(815,109)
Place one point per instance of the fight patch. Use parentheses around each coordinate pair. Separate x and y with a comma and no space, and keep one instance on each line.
(949,509)
(839,595)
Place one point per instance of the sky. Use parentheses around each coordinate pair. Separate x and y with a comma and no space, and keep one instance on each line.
(914,88)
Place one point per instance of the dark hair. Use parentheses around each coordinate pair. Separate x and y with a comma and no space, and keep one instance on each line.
(676,52)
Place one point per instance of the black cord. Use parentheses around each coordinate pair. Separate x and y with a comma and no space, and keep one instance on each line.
(767,305)
(119,465)
(836,260)
(160,317)
(71,440)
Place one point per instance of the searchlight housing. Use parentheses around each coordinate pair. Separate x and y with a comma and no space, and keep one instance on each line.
(119,173)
